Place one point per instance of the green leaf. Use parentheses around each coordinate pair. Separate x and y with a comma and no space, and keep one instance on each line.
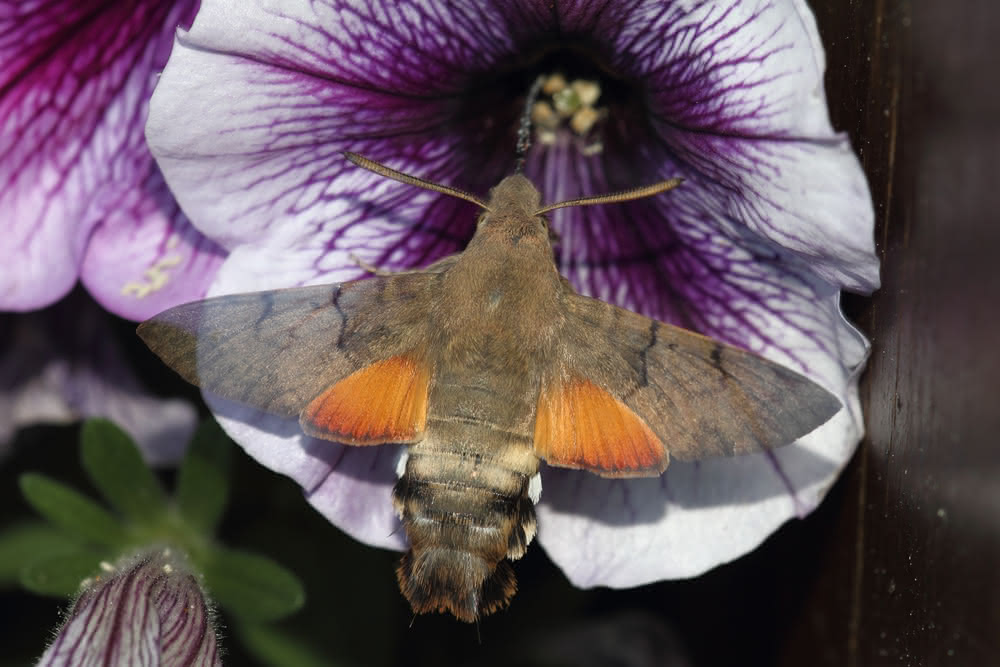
(203,482)
(25,543)
(115,465)
(61,574)
(71,511)
(252,586)
(272,646)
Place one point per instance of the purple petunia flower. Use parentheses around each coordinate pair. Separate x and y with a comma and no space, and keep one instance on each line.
(80,195)
(774,217)
(147,610)
(63,363)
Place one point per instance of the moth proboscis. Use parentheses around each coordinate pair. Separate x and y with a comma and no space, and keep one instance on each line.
(485,363)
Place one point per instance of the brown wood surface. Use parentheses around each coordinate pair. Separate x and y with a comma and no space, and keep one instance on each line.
(909,569)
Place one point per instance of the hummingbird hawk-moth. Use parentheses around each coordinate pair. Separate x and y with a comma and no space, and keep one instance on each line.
(485,363)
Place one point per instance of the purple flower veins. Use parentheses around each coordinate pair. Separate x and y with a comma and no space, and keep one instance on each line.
(80,194)
(145,610)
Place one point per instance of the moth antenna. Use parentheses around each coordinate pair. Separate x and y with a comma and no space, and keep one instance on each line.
(615,197)
(524,127)
(367,266)
(382,170)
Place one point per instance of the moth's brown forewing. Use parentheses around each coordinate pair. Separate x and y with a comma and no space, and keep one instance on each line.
(485,363)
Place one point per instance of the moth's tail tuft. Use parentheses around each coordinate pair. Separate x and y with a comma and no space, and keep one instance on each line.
(455,581)
(498,589)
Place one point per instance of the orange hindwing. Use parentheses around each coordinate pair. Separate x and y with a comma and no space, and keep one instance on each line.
(383,402)
(580,425)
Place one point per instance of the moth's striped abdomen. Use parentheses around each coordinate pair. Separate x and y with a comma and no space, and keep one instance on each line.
(464,502)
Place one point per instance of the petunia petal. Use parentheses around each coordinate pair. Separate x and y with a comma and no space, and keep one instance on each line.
(735,97)
(75,81)
(63,364)
(809,196)
(144,256)
(291,90)
(350,486)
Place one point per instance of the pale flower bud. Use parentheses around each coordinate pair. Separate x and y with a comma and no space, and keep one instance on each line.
(147,610)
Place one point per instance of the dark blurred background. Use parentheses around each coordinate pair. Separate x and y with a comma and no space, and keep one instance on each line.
(901,563)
